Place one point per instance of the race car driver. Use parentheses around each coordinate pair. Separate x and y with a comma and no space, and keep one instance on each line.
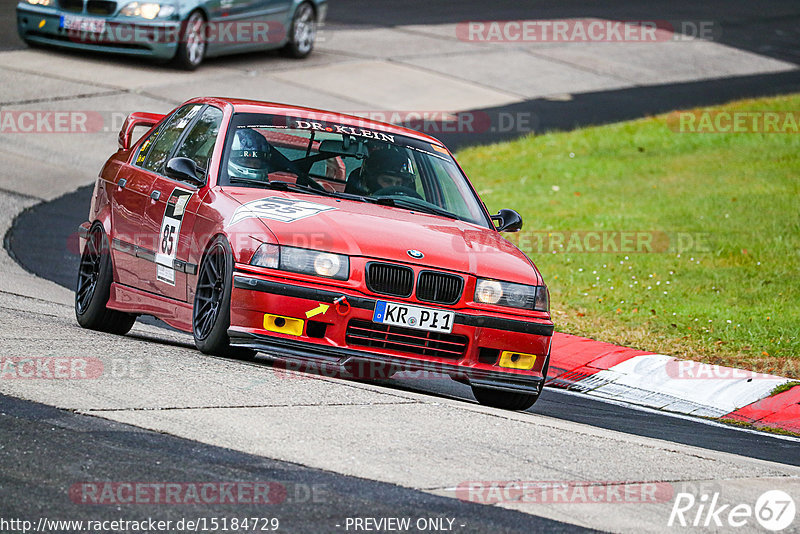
(386,168)
(250,156)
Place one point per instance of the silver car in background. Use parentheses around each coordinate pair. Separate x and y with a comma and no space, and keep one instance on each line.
(185,32)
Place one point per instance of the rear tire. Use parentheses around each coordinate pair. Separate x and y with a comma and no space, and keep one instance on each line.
(302,33)
(95,275)
(504,399)
(211,315)
(192,45)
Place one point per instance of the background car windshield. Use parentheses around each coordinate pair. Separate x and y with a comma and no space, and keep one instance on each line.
(347,159)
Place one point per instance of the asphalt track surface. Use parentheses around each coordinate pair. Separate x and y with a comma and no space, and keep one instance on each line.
(771,29)
(46,451)
(43,240)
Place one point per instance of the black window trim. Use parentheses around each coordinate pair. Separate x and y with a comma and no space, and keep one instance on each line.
(185,134)
(179,140)
(176,146)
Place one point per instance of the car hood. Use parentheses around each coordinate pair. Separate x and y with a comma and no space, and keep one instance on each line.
(382,232)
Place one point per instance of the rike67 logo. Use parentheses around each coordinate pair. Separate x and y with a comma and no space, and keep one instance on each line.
(774,510)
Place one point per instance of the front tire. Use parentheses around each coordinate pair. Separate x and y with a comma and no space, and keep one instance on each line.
(192,45)
(95,275)
(211,315)
(504,400)
(303,32)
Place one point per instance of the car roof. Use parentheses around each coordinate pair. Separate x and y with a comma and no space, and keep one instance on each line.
(257,106)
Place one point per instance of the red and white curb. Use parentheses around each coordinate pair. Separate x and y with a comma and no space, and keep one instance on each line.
(666,383)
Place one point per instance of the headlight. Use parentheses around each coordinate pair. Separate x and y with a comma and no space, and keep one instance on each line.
(302,260)
(267,256)
(512,295)
(147,10)
(488,291)
(40,2)
(327,264)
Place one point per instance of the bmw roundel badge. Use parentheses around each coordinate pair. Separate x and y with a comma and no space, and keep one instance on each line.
(416,254)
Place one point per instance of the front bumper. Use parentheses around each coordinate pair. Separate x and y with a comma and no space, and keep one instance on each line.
(42,25)
(253,296)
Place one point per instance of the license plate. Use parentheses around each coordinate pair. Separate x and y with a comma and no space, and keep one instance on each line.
(428,319)
(83,24)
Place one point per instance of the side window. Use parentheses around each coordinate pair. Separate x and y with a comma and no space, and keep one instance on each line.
(162,147)
(199,143)
(144,149)
(453,197)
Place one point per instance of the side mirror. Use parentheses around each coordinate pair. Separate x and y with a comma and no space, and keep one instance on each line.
(183,169)
(508,221)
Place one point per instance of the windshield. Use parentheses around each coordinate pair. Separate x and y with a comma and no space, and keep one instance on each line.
(349,161)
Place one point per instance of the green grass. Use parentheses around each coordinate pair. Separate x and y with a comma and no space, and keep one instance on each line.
(735,300)
(754,426)
(777,390)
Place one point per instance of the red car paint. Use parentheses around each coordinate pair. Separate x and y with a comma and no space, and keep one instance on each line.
(131,216)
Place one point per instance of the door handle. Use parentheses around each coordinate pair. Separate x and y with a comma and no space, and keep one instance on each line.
(155,195)
(121,183)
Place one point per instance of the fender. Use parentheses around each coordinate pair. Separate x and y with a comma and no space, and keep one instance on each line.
(104,218)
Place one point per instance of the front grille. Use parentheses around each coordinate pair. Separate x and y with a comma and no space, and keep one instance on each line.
(388,279)
(440,345)
(71,5)
(439,287)
(101,7)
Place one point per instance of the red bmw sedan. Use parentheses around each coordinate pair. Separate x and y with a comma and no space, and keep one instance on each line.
(313,236)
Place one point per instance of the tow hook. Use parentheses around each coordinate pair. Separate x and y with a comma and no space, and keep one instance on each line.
(342,306)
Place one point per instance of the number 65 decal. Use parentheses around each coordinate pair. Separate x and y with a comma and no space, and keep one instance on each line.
(170,231)
(168,238)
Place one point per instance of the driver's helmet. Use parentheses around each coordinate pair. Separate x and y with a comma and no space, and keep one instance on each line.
(250,155)
(386,167)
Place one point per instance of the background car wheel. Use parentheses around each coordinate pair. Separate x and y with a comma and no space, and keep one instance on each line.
(303,32)
(192,45)
(211,315)
(94,286)
(504,399)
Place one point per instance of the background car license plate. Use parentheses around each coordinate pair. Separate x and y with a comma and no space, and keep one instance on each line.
(428,319)
(83,24)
